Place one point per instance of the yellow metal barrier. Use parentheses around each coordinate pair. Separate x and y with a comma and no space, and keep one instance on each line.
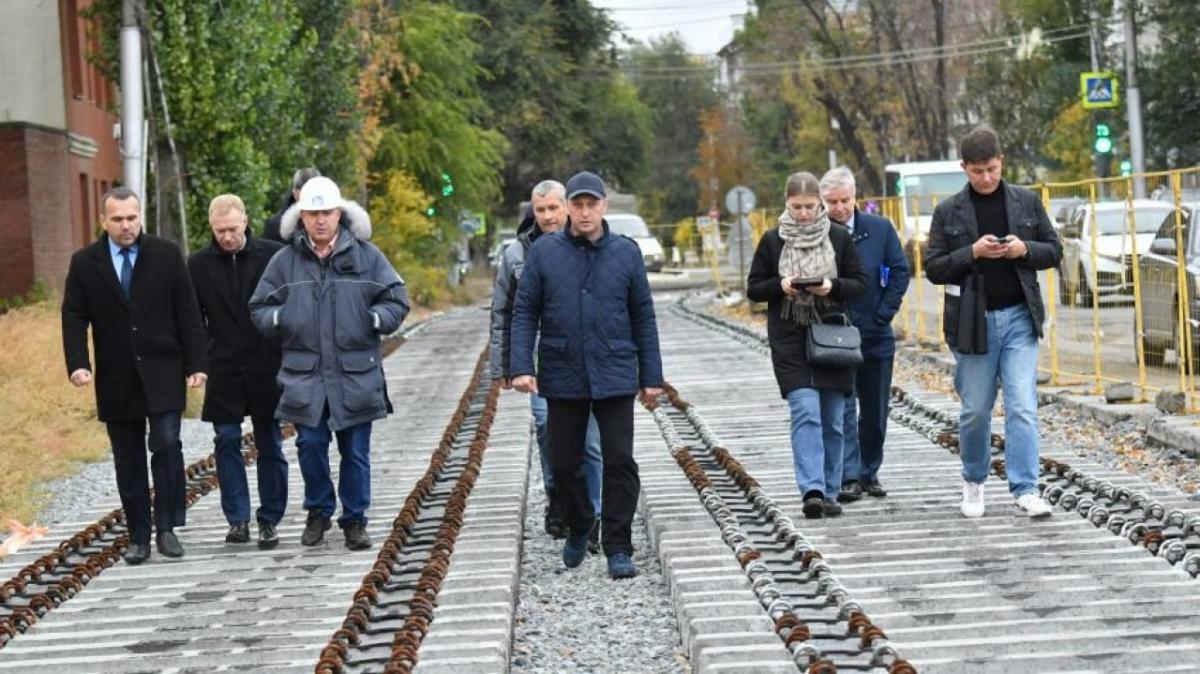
(1123,298)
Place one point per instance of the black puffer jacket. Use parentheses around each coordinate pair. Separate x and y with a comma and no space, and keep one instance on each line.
(788,352)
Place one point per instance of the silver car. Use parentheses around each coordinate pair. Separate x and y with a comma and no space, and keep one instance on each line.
(1159,289)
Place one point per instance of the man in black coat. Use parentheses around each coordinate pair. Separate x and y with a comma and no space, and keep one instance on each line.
(243,369)
(271,228)
(133,290)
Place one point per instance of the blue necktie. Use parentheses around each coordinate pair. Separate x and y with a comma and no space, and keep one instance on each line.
(126,272)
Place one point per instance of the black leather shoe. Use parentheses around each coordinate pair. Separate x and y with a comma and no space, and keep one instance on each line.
(169,545)
(594,538)
(239,532)
(832,509)
(268,538)
(356,535)
(314,529)
(851,491)
(874,489)
(137,553)
(814,505)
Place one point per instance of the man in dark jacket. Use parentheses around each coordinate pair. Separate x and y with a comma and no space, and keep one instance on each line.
(242,373)
(547,214)
(134,292)
(986,245)
(886,269)
(586,289)
(328,297)
(271,228)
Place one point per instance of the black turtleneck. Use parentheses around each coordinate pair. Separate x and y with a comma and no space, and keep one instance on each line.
(1000,275)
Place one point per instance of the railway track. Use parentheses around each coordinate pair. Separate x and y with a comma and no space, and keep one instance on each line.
(59,575)
(928,590)
(394,606)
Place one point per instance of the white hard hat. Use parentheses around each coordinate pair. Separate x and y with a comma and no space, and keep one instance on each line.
(320,194)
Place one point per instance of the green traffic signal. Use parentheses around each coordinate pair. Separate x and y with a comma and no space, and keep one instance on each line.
(1126,167)
(1102,140)
(447,185)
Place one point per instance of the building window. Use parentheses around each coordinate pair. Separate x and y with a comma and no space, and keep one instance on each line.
(85,207)
(72,20)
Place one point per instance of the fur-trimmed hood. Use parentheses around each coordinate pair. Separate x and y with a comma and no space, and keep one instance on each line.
(354,218)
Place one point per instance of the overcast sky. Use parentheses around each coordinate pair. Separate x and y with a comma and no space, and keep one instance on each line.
(706,25)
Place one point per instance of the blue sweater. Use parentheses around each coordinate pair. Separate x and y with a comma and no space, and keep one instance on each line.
(592,304)
(878,248)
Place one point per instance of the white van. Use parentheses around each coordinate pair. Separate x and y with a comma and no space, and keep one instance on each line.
(920,185)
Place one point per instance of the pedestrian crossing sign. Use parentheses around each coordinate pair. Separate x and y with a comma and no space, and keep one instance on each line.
(1098,90)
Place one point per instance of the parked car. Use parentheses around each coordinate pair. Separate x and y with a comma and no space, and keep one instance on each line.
(503,238)
(635,228)
(1113,272)
(1159,290)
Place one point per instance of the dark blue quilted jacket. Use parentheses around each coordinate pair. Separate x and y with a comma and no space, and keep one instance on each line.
(592,304)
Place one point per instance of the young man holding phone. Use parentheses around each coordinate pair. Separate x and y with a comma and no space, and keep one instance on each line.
(986,246)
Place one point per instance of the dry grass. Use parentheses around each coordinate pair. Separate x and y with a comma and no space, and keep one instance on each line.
(47,426)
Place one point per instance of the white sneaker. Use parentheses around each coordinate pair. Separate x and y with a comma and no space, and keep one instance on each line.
(1033,506)
(972,501)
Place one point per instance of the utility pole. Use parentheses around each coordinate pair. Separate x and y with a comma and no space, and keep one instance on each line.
(132,115)
(1133,101)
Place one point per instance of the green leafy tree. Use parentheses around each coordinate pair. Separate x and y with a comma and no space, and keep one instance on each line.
(228,74)
(1172,85)
(328,95)
(675,97)
(429,104)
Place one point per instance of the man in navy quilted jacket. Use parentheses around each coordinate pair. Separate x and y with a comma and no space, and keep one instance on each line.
(585,288)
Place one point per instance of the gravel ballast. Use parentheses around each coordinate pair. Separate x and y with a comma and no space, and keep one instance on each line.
(580,620)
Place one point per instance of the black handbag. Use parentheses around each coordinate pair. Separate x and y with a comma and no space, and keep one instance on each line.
(834,344)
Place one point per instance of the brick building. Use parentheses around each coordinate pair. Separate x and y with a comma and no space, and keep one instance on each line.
(57,151)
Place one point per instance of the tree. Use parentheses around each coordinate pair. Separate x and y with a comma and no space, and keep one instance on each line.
(723,154)
(675,100)
(1172,85)
(552,89)
(229,75)
(328,92)
(425,94)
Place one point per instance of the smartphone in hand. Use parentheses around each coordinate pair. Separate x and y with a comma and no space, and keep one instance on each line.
(808,281)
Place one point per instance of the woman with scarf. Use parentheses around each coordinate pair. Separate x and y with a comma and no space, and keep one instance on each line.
(805,269)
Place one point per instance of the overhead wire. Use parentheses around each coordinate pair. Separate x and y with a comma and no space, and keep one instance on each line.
(881,59)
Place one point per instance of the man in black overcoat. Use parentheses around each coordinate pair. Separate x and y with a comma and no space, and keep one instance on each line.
(133,290)
(242,369)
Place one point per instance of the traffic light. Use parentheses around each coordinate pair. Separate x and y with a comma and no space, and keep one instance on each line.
(431,211)
(1126,167)
(1102,139)
(447,185)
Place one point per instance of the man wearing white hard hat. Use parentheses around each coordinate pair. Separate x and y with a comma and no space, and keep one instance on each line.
(329,296)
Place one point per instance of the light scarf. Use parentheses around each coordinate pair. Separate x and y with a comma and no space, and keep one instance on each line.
(807,251)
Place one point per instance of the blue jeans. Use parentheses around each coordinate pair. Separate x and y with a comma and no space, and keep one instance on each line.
(817,417)
(231,471)
(1011,362)
(354,473)
(593,460)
